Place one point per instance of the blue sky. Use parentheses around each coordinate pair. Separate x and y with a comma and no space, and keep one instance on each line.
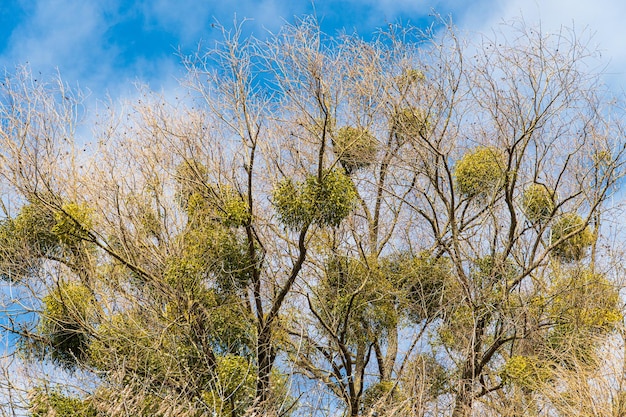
(107,45)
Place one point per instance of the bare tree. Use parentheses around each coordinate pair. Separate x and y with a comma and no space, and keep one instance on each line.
(414,223)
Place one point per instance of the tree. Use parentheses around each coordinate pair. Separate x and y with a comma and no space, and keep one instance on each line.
(510,187)
(412,222)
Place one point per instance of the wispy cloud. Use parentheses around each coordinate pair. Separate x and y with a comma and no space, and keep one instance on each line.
(107,45)
(77,38)
(600,21)
(64,34)
(191,20)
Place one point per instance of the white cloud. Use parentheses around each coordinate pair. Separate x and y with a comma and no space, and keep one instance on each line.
(601,21)
(186,18)
(190,19)
(72,34)
(64,34)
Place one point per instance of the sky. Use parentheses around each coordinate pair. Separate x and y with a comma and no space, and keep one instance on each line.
(107,46)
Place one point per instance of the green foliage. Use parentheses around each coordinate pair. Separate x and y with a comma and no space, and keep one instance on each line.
(53,403)
(197,207)
(480,172)
(191,178)
(222,205)
(356,148)
(424,279)
(325,203)
(575,247)
(203,201)
(358,290)
(294,207)
(155,352)
(490,283)
(38,233)
(210,253)
(409,77)
(67,316)
(17,259)
(73,223)
(529,372)
(423,379)
(25,240)
(492,277)
(381,394)
(457,325)
(33,225)
(13,264)
(232,209)
(409,123)
(538,203)
(221,320)
(193,349)
(174,345)
(492,269)
(579,308)
(230,325)
(584,301)
(233,388)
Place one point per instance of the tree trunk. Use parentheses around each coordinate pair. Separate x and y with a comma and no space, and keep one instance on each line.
(392,353)
(265,357)
(471,371)
(464,399)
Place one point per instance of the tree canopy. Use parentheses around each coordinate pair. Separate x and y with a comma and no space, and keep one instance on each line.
(418,224)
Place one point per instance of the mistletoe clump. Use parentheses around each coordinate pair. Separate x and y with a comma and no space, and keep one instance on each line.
(480,172)
(538,203)
(324,202)
(73,223)
(409,122)
(231,208)
(68,312)
(356,148)
(529,372)
(25,241)
(409,77)
(574,247)
(424,278)
(584,305)
(203,201)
